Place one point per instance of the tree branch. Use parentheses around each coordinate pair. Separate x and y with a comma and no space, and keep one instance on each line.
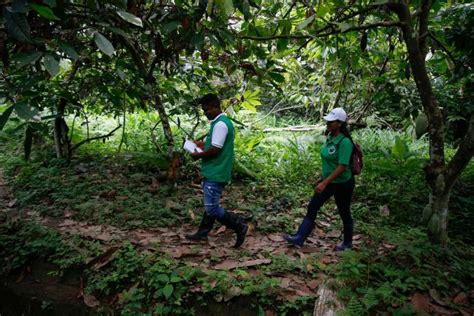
(462,157)
(450,55)
(96,137)
(319,35)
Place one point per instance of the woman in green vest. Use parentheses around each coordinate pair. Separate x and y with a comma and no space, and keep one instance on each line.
(337,179)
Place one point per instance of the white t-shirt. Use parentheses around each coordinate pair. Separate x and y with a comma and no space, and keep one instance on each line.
(219,133)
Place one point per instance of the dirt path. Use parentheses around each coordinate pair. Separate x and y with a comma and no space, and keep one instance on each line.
(215,254)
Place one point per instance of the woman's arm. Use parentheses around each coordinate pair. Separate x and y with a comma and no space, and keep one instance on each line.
(336,173)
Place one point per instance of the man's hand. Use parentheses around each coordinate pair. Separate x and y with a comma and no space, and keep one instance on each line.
(199,143)
(195,155)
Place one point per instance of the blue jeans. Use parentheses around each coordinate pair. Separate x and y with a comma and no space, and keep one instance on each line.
(212,195)
(342,194)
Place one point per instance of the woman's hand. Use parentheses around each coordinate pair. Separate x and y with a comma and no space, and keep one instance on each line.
(320,186)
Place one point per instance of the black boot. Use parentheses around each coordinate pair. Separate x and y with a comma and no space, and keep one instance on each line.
(207,222)
(237,224)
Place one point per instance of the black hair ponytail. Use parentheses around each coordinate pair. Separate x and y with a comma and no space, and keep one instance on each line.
(345,131)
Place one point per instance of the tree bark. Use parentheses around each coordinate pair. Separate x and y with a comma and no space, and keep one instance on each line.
(61,140)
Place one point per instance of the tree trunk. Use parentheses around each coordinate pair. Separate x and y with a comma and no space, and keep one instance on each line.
(62,142)
(174,156)
(434,171)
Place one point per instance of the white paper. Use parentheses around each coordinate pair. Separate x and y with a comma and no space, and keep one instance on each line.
(190,146)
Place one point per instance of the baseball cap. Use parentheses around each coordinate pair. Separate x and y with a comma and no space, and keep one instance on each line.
(337,114)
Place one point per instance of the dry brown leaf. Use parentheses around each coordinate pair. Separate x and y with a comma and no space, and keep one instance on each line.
(461,299)
(434,294)
(103,259)
(67,222)
(357,237)
(12,203)
(275,237)
(334,234)
(313,284)
(220,230)
(170,234)
(191,214)
(105,236)
(421,302)
(285,282)
(90,300)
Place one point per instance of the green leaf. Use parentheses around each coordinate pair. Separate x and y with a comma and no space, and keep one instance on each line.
(28,142)
(306,22)
(24,111)
(210,5)
(228,7)
(44,11)
(400,149)
(343,26)
(168,290)
(118,31)
(17,26)
(175,279)
(163,278)
(197,40)
(51,65)
(27,58)
(130,18)
(170,27)
(5,116)
(282,44)
(277,77)
(69,50)
(104,44)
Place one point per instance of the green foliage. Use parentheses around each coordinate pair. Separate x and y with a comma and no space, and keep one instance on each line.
(395,264)
(23,242)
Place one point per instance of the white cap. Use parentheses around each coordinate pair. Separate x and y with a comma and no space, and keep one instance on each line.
(337,114)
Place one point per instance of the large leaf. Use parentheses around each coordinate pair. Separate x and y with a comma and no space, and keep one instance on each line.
(24,111)
(306,22)
(27,58)
(51,65)
(168,290)
(17,26)
(228,7)
(277,77)
(130,18)
(400,149)
(28,141)
(5,116)
(44,11)
(69,50)
(104,44)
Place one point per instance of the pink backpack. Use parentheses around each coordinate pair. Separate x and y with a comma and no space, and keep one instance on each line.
(357,159)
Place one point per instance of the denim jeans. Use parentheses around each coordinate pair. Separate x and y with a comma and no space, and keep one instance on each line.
(342,194)
(212,195)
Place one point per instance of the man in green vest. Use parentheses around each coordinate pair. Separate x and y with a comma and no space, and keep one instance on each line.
(217,159)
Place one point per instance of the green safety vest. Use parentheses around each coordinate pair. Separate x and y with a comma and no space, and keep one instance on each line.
(219,167)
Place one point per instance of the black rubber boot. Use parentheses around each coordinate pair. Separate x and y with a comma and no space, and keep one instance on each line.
(237,224)
(207,222)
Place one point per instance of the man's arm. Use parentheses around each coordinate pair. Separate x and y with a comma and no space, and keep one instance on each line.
(211,152)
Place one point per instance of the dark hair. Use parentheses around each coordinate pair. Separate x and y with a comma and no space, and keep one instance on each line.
(210,99)
(345,131)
